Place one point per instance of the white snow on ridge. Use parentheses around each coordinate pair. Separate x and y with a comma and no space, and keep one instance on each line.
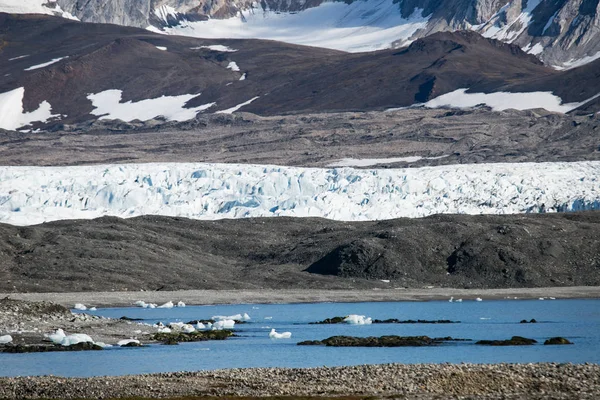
(12,115)
(500,101)
(54,61)
(579,62)
(360,26)
(216,47)
(31,195)
(108,105)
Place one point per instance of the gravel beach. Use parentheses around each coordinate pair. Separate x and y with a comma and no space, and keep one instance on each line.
(282,296)
(422,381)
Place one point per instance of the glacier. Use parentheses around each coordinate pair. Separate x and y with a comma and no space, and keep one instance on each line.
(32,195)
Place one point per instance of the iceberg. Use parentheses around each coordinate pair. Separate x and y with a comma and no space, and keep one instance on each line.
(354,319)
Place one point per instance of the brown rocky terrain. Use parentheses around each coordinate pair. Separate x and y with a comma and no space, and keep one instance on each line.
(163,253)
(317,140)
(287,78)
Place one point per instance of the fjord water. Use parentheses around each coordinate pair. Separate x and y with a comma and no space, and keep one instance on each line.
(577,320)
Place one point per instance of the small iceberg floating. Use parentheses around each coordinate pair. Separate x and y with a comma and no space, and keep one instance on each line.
(283,335)
(354,319)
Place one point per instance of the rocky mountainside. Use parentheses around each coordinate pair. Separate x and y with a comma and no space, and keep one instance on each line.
(561,32)
(64,71)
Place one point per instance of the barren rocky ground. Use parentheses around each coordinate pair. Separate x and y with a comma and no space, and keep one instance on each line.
(155,253)
(445,381)
(317,140)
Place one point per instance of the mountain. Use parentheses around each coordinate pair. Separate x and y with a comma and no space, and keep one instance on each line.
(60,71)
(563,33)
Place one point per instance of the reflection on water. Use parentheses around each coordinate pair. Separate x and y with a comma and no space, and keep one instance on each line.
(577,320)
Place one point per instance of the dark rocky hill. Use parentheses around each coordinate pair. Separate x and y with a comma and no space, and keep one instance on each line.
(154,253)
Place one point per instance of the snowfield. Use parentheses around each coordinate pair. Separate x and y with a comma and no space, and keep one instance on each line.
(360,26)
(31,195)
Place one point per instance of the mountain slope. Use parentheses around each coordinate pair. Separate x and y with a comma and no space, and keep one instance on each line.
(563,33)
(69,72)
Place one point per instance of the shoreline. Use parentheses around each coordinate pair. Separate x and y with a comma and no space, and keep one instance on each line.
(418,381)
(290,296)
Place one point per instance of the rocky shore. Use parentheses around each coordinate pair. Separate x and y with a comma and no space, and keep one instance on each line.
(421,381)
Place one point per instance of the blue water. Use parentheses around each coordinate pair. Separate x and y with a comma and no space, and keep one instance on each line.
(577,320)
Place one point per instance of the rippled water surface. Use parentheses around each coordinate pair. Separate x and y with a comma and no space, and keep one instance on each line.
(577,320)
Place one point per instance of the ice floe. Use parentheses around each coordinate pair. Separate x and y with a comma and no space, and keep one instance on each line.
(223,324)
(236,317)
(32,195)
(108,105)
(126,342)
(168,304)
(143,304)
(283,335)
(80,307)
(60,337)
(354,319)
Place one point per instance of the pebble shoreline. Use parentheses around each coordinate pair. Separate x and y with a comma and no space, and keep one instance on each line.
(419,381)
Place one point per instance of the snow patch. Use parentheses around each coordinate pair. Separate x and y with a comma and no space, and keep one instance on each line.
(216,47)
(367,162)
(233,66)
(500,101)
(32,195)
(108,105)
(574,63)
(163,48)
(234,109)
(366,25)
(536,50)
(5,339)
(18,58)
(54,61)
(12,115)
(34,7)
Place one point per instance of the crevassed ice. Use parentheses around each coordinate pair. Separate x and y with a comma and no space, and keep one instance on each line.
(31,195)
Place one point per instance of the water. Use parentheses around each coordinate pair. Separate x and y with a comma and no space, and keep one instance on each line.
(578,320)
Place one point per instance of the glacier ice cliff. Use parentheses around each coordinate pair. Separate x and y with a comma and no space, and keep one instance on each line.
(31,195)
